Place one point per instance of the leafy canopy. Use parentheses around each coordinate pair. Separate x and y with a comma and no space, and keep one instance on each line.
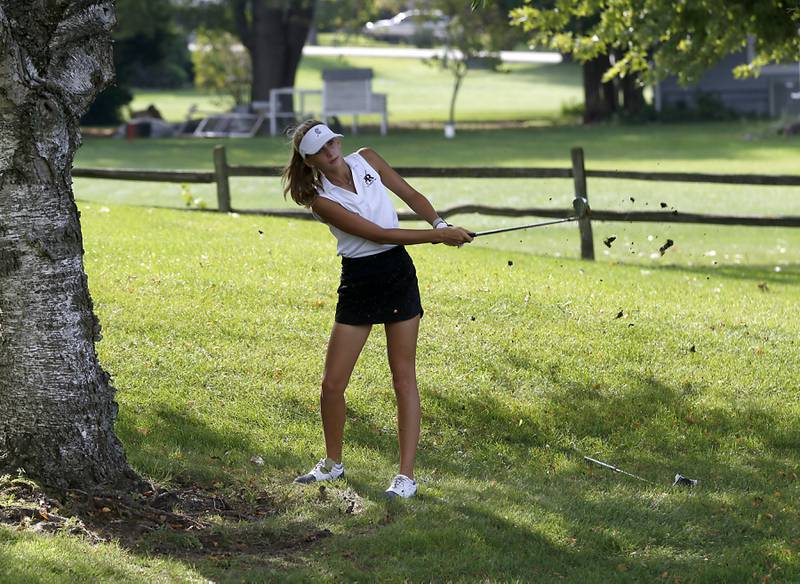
(666,37)
(221,65)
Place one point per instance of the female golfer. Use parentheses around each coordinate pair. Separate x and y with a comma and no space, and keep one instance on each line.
(378,282)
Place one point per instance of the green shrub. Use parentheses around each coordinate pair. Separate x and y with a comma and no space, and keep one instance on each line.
(107,108)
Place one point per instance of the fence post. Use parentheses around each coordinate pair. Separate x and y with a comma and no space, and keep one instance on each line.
(585,224)
(221,173)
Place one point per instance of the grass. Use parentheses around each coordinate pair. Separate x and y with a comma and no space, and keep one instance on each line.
(215,330)
(519,92)
(712,147)
(721,148)
(215,336)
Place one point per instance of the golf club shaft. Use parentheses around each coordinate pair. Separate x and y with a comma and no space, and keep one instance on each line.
(504,229)
(614,468)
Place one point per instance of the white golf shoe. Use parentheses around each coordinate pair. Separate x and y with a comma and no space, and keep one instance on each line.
(401,486)
(325,470)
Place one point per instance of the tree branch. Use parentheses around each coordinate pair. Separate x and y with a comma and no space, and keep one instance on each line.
(81,63)
(243,27)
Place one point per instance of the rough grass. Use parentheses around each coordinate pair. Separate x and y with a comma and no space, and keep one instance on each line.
(215,335)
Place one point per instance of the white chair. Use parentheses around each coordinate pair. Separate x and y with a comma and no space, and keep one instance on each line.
(349,92)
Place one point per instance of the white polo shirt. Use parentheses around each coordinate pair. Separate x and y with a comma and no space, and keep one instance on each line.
(371,201)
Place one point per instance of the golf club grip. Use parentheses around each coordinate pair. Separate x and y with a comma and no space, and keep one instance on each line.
(471,234)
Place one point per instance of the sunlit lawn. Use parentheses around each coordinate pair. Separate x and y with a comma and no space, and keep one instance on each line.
(518,92)
(215,330)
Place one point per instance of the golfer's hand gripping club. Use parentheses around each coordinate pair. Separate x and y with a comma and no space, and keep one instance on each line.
(456,236)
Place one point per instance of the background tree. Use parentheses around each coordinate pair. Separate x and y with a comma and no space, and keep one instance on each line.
(57,406)
(274,32)
(603,97)
(150,50)
(221,65)
(475,35)
(657,38)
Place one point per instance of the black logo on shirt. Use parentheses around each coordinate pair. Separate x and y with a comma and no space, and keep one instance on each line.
(368,179)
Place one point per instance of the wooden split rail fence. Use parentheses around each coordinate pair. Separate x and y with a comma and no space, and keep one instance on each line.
(223,171)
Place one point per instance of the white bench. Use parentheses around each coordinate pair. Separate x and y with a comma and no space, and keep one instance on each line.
(348,92)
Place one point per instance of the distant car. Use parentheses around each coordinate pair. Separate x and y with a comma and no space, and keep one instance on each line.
(409,26)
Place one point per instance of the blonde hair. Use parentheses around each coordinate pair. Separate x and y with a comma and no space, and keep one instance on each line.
(300,180)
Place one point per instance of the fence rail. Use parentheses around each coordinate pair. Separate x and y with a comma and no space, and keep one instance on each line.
(786,180)
(171,176)
(223,171)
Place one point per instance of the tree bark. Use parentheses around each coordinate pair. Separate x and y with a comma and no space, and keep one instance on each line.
(632,94)
(458,77)
(600,99)
(57,407)
(274,33)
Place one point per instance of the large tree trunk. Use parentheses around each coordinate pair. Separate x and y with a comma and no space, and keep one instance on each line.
(632,94)
(600,99)
(274,33)
(57,407)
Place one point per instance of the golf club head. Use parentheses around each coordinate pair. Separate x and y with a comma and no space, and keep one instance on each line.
(682,481)
(581,207)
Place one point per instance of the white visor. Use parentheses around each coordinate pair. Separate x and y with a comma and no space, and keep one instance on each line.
(316,137)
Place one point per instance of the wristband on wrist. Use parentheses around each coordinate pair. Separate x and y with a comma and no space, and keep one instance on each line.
(440,223)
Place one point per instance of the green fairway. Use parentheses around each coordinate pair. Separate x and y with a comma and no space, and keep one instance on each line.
(730,147)
(518,92)
(215,330)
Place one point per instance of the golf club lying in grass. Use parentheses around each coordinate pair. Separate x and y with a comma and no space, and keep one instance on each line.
(580,204)
(679,480)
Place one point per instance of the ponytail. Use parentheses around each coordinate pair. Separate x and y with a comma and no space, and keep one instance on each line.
(299,179)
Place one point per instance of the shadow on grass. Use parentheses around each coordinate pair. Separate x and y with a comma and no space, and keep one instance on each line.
(167,443)
(514,501)
(504,505)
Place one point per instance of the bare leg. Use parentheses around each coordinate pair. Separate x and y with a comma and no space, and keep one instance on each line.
(344,347)
(401,344)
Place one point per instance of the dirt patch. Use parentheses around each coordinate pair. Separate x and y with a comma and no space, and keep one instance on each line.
(185,521)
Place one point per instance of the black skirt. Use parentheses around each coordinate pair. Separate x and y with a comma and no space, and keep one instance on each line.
(379,288)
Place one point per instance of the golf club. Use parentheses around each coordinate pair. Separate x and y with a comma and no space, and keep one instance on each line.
(679,480)
(614,468)
(580,204)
